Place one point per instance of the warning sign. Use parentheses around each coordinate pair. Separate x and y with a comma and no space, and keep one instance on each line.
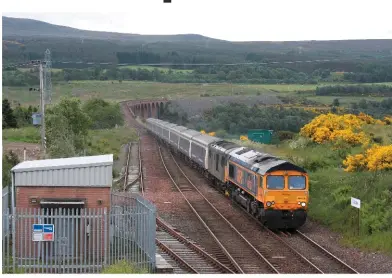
(43,232)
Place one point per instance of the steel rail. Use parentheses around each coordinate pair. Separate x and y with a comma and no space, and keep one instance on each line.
(192,246)
(175,256)
(325,251)
(127,167)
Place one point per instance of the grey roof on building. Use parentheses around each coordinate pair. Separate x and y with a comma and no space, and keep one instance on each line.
(61,163)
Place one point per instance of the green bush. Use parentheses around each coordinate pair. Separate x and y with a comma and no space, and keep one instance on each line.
(103,114)
(285,135)
(9,161)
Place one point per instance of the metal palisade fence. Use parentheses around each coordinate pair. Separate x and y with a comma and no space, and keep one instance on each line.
(80,240)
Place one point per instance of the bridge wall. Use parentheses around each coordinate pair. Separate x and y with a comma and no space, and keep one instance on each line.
(149,108)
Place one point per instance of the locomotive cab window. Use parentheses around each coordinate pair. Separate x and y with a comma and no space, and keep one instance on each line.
(297,182)
(217,162)
(275,182)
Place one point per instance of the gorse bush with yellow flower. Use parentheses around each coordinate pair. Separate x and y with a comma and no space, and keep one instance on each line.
(375,158)
(348,127)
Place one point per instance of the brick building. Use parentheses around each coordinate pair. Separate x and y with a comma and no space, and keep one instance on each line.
(71,193)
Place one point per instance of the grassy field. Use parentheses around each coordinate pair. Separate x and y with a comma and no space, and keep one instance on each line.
(140,90)
(26,135)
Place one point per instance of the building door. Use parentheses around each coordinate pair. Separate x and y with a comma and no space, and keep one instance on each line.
(66,219)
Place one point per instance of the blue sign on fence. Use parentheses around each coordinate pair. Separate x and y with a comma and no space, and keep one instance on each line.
(38,228)
(43,232)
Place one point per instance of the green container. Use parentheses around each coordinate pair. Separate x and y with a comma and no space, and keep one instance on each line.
(263,136)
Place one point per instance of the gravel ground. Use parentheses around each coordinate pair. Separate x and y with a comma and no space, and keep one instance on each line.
(363,262)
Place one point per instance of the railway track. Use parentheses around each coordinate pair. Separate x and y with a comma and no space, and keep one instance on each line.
(189,256)
(183,254)
(321,257)
(296,251)
(235,250)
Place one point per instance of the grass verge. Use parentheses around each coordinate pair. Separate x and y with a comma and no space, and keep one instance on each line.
(123,267)
(25,135)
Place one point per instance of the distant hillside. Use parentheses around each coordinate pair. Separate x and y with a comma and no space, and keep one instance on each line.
(26,39)
(21,27)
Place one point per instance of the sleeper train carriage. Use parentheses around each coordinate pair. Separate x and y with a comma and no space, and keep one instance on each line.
(273,190)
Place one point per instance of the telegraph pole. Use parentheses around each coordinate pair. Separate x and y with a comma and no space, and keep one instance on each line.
(45,88)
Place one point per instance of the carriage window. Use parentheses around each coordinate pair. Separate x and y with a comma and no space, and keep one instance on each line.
(231,171)
(297,182)
(217,162)
(275,182)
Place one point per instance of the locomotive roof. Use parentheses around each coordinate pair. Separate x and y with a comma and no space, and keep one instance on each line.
(261,163)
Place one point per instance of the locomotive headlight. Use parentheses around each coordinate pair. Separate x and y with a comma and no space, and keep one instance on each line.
(303,204)
(299,203)
(273,202)
(268,204)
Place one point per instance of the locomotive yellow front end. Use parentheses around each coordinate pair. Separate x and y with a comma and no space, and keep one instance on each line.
(285,197)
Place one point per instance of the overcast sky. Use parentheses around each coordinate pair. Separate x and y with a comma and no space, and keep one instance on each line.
(240,20)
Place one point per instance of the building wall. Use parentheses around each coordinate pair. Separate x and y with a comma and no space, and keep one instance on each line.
(26,248)
(91,194)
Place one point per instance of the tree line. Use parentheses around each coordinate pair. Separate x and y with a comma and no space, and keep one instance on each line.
(213,74)
(253,74)
(285,121)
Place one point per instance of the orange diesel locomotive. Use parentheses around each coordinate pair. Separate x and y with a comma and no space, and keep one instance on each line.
(273,190)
